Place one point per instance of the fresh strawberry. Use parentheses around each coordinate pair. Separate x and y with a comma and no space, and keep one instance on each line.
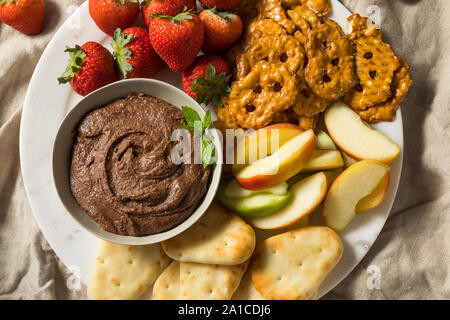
(27,16)
(177,39)
(222,30)
(91,67)
(166,7)
(109,15)
(134,54)
(220,4)
(206,80)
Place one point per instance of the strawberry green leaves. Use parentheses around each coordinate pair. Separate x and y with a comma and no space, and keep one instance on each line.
(195,124)
(76,60)
(223,14)
(184,15)
(211,87)
(122,54)
(124,1)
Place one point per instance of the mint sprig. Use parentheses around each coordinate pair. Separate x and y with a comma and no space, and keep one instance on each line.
(195,124)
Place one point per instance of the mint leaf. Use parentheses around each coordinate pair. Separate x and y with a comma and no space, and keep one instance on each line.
(188,128)
(199,127)
(206,120)
(207,151)
(190,115)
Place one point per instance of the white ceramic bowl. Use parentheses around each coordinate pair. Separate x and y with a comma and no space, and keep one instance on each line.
(64,140)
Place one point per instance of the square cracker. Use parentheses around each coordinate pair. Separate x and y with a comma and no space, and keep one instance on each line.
(167,286)
(292,265)
(246,290)
(219,237)
(209,282)
(123,272)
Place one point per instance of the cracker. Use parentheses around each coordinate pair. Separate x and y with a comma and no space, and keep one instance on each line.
(167,286)
(209,282)
(250,10)
(307,123)
(254,100)
(263,27)
(125,272)
(375,67)
(400,85)
(292,265)
(219,237)
(358,27)
(330,72)
(305,20)
(321,7)
(282,49)
(246,290)
(307,103)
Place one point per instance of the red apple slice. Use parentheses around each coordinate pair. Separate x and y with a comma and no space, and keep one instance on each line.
(307,194)
(374,199)
(355,183)
(286,162)
(356,138)
(324,160)
(263,142)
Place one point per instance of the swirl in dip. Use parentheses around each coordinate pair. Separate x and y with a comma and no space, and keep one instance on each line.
(122,174)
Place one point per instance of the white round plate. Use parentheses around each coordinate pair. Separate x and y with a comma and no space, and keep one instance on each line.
(45,105)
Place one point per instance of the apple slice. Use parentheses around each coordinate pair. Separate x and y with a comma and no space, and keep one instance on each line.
(348,161)
(286,162)
(374,199)
(324,141)
(355,183)
(332,175)
(255,205)
(324,160)
(234,190)
(263,142)
(307,195)
(356,138)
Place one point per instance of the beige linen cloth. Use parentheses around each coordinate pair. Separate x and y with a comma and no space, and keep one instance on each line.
(411,253)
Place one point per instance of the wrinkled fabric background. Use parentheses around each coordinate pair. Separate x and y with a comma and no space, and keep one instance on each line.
(412,252)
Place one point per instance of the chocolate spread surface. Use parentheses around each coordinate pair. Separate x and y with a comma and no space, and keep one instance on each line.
(122,173)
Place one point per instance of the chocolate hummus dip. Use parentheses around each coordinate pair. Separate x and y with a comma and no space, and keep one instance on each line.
(122,174)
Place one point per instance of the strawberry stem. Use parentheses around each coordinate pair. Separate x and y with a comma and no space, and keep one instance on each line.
(211,87)
(122,54)
(184,15)
(221,14)
(76,60)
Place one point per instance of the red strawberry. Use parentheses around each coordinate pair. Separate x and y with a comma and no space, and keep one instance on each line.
(220,4)
(134,54)
(27,16)
(222,30)
(109,15)
(207,79)
(177,39)
(168,8)
(91,67)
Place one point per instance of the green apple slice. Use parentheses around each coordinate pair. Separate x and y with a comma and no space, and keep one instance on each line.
(259,204)
(234,190)
(324,141)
